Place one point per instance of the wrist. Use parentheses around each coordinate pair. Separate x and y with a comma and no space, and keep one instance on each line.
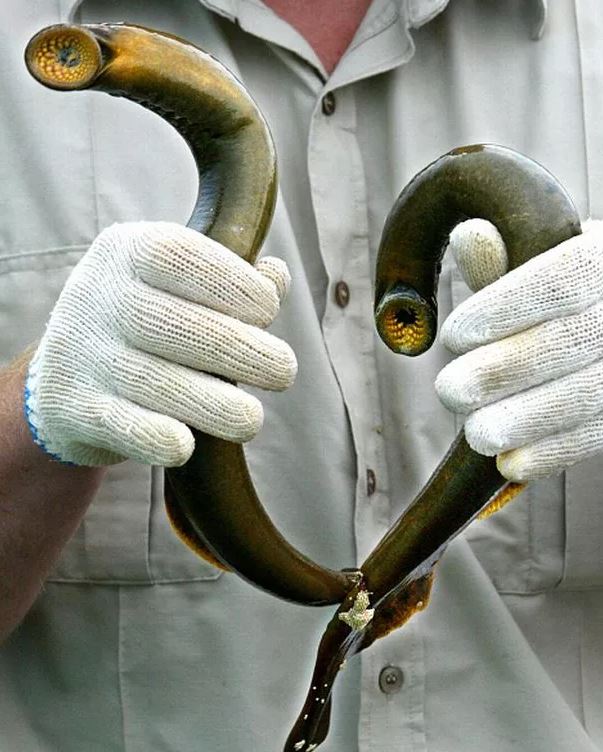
(20,444)
(12,395)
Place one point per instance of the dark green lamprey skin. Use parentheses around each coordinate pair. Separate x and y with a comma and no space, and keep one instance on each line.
(533,213)
(211,501)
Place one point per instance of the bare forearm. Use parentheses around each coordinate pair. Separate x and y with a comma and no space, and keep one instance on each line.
(41,504)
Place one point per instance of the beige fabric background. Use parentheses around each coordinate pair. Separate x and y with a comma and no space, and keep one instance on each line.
(135,644)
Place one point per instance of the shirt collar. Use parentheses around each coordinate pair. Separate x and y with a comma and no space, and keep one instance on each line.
(390,17)
(420,11)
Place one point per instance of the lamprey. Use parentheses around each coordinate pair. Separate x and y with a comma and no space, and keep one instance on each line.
(211,500)
(533,213)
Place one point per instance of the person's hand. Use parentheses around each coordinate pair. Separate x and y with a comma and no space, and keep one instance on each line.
(149,318)
(530,373)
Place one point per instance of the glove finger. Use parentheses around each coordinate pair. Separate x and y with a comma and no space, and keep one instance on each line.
(277,271)
(563,281)
(479,251)
(546,352)
(192,335)
(553,454)
(529,416)
(129,430)
(192,266)
(197,399)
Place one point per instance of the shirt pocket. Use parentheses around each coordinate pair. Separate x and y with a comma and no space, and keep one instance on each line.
(125,536)
(523,547)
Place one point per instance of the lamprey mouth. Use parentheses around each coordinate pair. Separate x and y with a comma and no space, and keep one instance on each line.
(64,57)
(406,322)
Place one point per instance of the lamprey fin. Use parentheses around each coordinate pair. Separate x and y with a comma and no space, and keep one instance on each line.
(185,531)
(398,607)
(337,645)
(222,507)
(501,499)
(340,643)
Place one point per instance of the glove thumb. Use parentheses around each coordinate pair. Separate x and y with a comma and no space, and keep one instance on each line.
(479,252)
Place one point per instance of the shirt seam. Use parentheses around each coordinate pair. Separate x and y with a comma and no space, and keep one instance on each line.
(130,583)
(29,269)
(120,688)
(530,569)
(384,67)
(372,450)
(155,472)
(43,252)
(582,668)
(74,15)
(560,588)
(582,107)
(566,477)
(93,161)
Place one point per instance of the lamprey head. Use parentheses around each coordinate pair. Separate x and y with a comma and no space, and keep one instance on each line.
(405,321)
(64,57)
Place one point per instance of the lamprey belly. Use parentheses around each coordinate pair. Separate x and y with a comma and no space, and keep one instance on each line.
(211,500)
(533,213)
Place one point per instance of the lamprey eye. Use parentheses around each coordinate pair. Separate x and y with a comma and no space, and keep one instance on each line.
(405,323)
(64,57)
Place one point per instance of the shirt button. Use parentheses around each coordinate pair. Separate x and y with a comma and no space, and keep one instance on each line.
(328,103)
(342,294)
(371,482)
(391,679)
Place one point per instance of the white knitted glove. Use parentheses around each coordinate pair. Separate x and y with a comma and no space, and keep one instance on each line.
(531,378)
(150,311)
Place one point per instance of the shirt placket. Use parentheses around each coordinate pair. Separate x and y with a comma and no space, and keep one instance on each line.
(339,199)
(392,670)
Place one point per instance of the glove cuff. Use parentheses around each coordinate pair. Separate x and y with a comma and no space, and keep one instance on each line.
(34,419)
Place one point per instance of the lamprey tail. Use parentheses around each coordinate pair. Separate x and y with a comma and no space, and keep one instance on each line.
(532,213)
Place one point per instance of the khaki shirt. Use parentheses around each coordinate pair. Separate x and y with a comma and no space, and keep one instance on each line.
(136,645)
